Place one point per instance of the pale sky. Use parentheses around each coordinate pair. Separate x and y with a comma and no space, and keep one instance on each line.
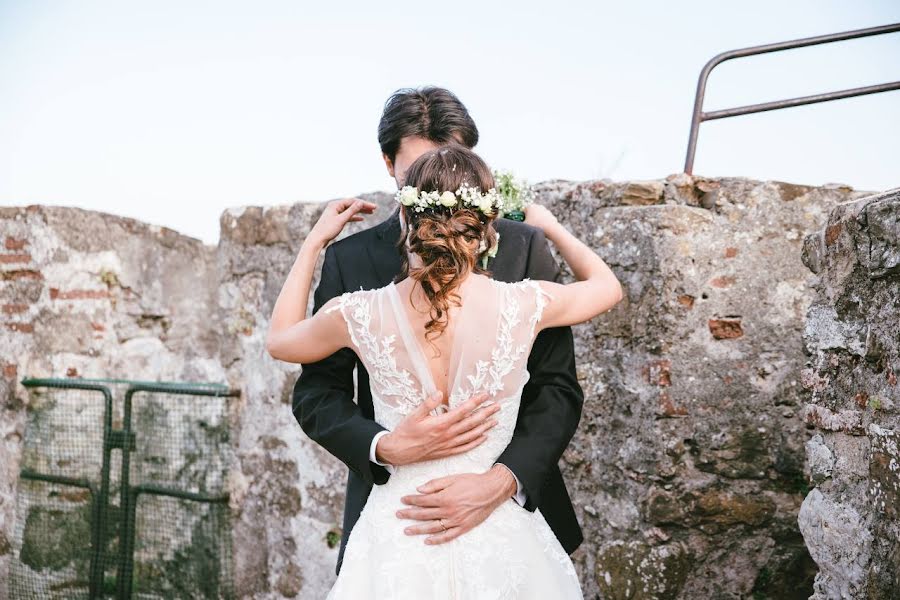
(170,112)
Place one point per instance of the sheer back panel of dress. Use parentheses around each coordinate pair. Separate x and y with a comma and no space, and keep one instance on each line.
(492,339)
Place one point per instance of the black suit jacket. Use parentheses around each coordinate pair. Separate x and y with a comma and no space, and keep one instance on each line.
(551,401)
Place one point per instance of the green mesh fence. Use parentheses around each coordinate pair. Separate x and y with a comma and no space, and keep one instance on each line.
(122,491)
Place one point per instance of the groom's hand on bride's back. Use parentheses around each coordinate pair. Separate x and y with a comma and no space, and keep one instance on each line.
(422,436)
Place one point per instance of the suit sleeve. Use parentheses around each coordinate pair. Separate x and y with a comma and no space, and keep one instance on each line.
(552,399)
(323,396)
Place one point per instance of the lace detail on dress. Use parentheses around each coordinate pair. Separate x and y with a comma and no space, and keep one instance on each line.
(540,299)
(489,375)
(391,380)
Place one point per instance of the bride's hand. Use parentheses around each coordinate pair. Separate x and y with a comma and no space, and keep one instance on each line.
(539,216)
(336,216)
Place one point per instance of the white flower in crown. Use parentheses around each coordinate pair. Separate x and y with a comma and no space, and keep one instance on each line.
(448,199)
(486,204)
(467,196)
(407,196)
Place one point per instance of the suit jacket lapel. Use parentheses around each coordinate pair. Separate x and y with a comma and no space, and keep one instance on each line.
(383,253)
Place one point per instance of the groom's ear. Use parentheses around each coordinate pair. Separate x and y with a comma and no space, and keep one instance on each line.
(389,163)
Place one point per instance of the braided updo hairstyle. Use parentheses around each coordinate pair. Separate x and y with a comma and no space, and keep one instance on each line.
(446,239)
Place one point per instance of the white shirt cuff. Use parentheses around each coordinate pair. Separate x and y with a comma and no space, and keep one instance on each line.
(390,468)
(520,493)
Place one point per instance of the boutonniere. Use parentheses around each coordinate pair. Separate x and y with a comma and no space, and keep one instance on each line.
(516,194)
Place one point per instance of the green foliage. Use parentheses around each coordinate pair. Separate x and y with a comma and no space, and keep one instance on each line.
(333,537)
(516,192)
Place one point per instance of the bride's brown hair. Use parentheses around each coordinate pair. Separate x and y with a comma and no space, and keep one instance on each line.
(446,239)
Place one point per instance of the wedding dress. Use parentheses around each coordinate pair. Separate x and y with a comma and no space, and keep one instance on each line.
(513,553)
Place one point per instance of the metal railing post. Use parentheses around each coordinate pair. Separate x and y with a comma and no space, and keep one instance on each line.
(699,116)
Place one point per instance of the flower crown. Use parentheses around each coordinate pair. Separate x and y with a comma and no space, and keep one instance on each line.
(472,197)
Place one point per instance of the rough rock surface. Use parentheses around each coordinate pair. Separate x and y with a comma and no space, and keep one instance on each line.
(687,468)
(851,519)
(89,294)
(687,471)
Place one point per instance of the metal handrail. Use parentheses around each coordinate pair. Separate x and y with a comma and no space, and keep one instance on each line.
(700,116)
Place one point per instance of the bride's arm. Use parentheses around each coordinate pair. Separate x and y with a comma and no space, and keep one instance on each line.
(597,289)
(292,337)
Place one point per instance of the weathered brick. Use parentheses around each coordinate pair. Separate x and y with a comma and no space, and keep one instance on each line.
(20,274)
(722,282)
(56,294)
(9,259)
(12,243)
(832,232)
(725,329)
(12,309)
(686,300)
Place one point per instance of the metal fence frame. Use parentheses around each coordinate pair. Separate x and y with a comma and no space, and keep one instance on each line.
(124,440)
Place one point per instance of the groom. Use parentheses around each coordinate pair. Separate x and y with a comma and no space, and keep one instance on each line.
(415,121)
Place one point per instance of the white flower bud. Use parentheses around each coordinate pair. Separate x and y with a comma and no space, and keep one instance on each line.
(448,199)
(408,196)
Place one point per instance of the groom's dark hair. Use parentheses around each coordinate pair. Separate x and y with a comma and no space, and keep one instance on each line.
(433,113)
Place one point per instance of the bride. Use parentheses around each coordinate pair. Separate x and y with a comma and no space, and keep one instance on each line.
(444,326)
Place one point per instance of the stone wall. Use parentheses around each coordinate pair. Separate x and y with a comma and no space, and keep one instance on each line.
(687,467)
(88,294)
(687,471)
(851,519)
